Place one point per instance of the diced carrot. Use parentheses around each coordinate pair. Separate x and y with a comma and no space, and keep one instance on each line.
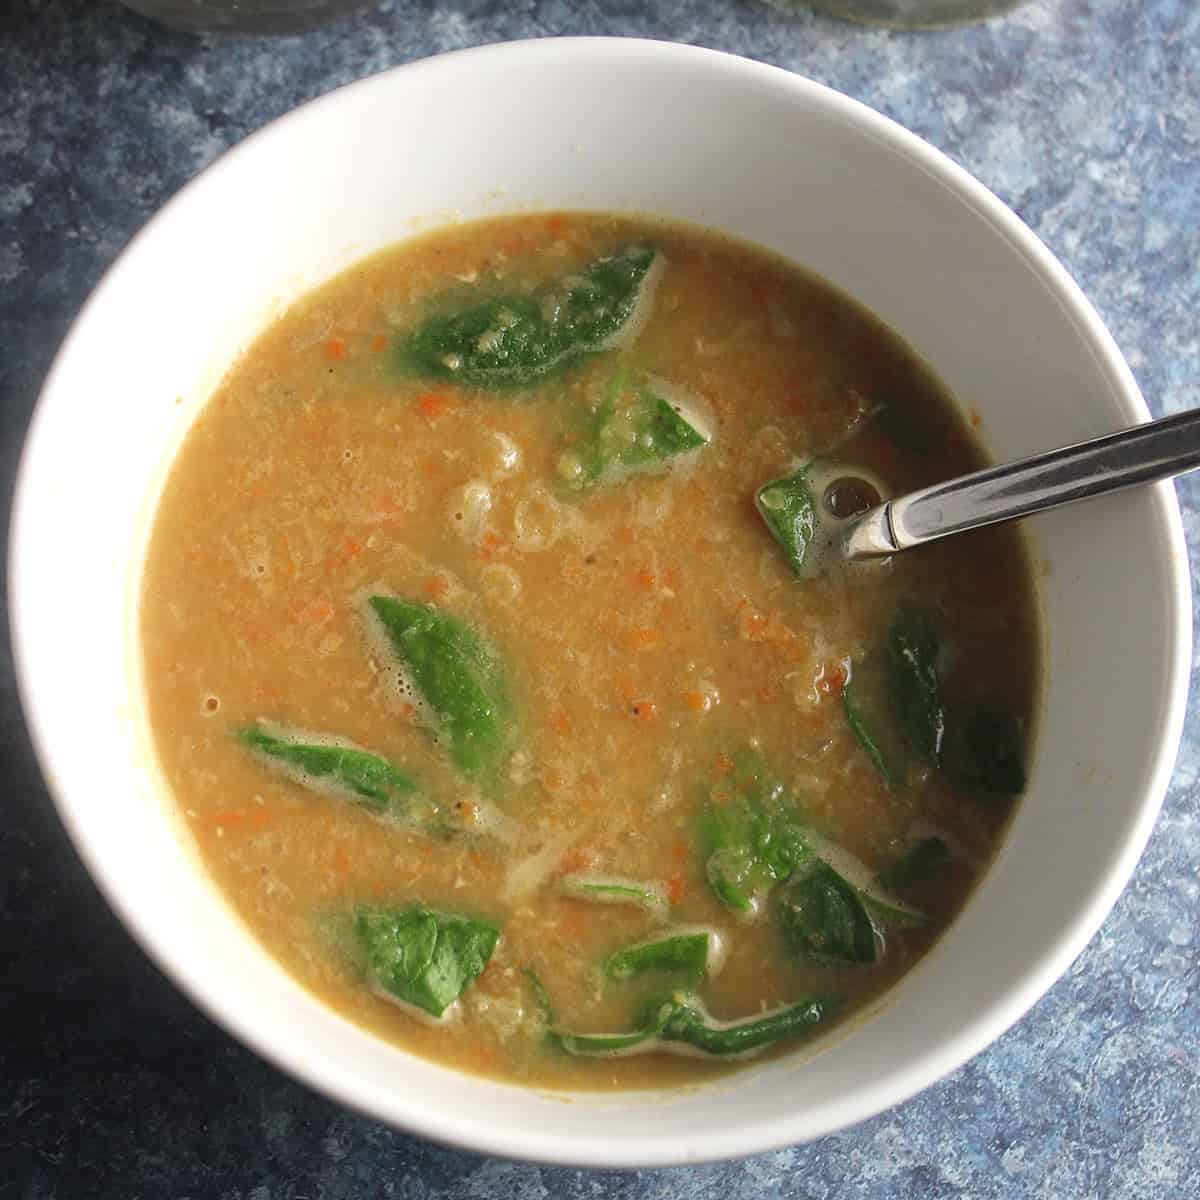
(556,223)
(645,579)
(248,820)
(671,578)
(675,888)
(723,764)
(386,506)
(645,711)
(490,546)
(679,852)
(436,587)
(559,722)
(627,534)
(697,701)
(433,405)
(315,612)
(379,342)
(340,860)
(335,349)
(754,627)
(641,639)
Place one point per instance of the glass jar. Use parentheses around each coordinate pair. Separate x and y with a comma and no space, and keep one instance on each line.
(245,16)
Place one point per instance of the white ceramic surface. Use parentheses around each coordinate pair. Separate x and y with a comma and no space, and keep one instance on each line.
(603,125)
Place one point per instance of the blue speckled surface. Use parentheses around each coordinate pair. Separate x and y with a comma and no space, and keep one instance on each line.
(1084,115)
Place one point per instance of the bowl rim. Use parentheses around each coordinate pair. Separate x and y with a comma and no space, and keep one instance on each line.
(586,1149)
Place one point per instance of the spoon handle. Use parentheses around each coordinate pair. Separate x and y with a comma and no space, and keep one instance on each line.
(1142,454)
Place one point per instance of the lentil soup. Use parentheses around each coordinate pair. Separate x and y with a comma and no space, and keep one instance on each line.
(496,659)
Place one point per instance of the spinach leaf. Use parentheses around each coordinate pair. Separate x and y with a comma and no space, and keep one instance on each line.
(913,644)
(421,956)
(867,705)
(751,836)
(922,861)
(540,995)
(604,1045)
(892,700)
(907,427)
(515,341)
(368,780)
(638,428)
(681,1020)
(985,752)
(824,919)
(458,675)
(685,952)
(615,889)
(685,1020)
(790,512)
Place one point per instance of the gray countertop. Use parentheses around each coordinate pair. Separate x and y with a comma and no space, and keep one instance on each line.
(1084,115)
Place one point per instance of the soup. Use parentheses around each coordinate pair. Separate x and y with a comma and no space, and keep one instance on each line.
(500,659)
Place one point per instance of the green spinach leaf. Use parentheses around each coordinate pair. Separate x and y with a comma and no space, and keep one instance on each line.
(457,674)
(907,426)
(824,919)
(683,952)
(751,836)
(913,643)
(685,1020)
(787,507)
(892,700)
(680,1019)
(515,341)
(615,889)
(636,428)
(985,752)
(920,862)
(540,995)
(367,779)
(422,956)
(867,705)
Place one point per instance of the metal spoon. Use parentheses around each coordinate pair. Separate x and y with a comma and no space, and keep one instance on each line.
(1143,454)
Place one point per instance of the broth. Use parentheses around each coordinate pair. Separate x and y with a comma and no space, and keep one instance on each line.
(660,657)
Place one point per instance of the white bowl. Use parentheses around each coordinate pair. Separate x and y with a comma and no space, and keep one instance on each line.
(604,124)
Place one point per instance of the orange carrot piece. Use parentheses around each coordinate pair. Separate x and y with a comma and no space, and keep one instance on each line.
(698,702)
(336,349)
(436,587)
(645,711)
(723,764)
(675,888)
(433,405)
(379,342)
(641,639)
(559,722)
